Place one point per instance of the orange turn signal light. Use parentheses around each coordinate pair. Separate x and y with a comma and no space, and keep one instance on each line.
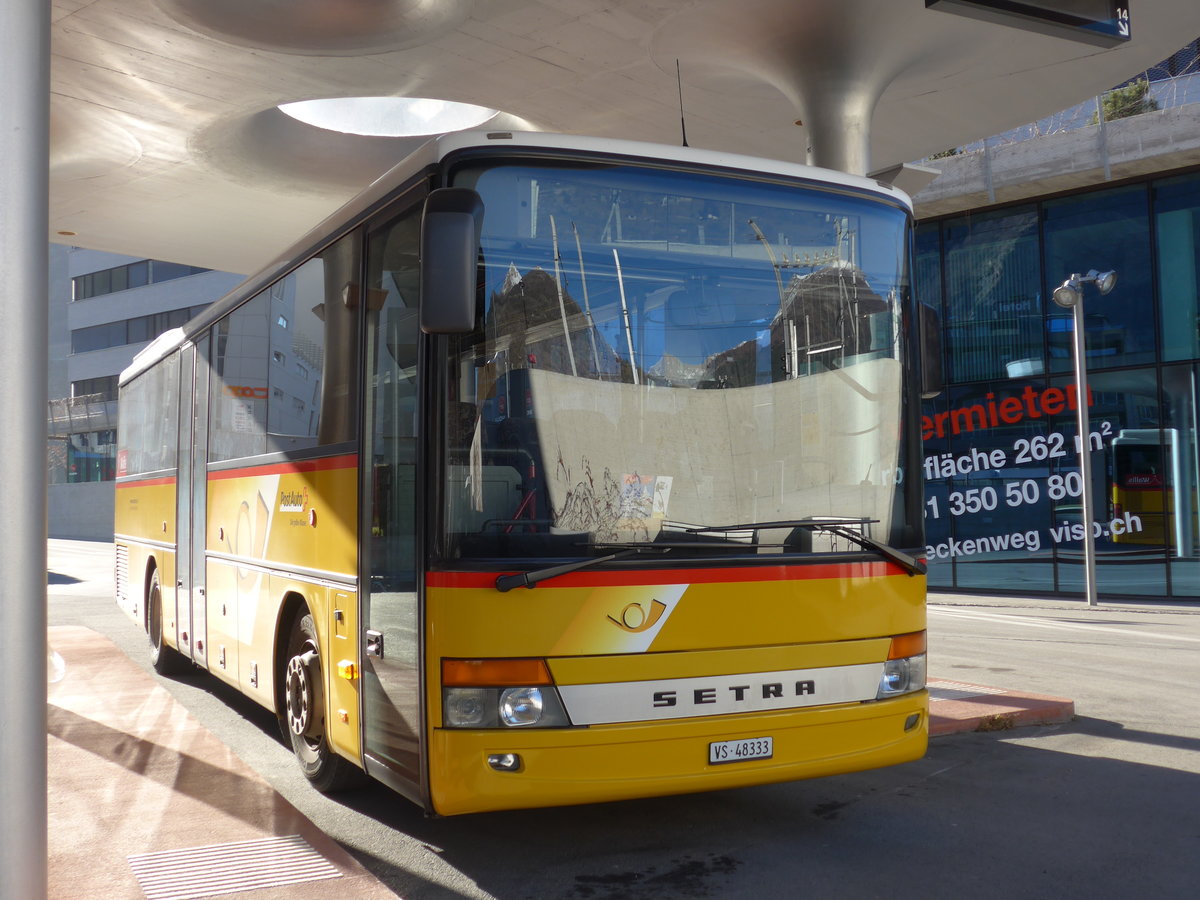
(495,672)
(905,645)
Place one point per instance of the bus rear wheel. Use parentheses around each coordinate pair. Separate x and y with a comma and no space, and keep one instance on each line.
(164,659)
(304,713)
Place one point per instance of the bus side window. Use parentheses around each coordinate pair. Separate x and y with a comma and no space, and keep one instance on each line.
(240,363)
(146,432)
(313,327)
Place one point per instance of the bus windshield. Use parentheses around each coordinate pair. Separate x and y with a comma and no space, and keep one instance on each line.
(661,353)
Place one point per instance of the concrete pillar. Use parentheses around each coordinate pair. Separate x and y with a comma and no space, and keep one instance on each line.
(24,261)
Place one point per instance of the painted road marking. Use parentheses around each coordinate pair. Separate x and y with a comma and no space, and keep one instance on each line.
(1031,622)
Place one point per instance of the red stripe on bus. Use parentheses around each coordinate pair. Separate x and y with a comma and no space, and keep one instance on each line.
(149,482)
(325,464)
(680,576)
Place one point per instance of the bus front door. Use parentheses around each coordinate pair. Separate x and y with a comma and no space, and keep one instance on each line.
(391,594)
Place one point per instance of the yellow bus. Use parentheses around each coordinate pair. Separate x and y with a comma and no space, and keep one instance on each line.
(550,470)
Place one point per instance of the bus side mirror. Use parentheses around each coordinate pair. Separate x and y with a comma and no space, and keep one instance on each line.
(450,227)
(930,325)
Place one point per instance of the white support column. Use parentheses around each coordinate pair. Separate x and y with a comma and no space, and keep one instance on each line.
(24,259)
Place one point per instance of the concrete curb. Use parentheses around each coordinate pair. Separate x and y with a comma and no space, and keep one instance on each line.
(956,707)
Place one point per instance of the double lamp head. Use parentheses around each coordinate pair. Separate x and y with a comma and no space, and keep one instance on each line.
(1070,292)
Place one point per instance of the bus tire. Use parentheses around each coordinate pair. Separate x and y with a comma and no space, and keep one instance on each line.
(165,660)
(304,713)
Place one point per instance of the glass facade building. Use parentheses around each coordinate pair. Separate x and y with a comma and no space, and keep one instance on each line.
(1002,453)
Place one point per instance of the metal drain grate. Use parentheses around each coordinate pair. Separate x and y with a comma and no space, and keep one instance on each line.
(229,868)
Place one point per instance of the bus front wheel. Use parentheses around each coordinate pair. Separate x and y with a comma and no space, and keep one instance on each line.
(304,712)
(164,659)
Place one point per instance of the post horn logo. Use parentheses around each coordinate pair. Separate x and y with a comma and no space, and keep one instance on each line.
(635,619)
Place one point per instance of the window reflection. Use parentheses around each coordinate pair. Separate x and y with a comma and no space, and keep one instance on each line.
(993,324)
(986,465)
(150,411)
(1182,500)
(628,311)
(1145,466)
(1177,226)
(1125,421)
(1102,230)
(285,363)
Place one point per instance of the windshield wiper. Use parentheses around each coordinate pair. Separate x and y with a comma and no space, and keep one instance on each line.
(840,527)
(529,579)
(910,564)
(695,545)
(785,523)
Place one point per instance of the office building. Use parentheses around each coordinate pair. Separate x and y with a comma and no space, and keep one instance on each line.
(1113,185)
(103,308)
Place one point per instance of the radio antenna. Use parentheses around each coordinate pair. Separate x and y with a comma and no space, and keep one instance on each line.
(682,123)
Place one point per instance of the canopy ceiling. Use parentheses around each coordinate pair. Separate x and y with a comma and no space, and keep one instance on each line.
(166,140)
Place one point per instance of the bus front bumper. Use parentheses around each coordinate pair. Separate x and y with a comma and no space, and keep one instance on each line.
(559,767)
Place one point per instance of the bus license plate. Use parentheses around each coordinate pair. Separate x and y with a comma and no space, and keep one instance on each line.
(739,751)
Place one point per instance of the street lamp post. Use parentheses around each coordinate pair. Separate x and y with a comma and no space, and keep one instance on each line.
(1069,295)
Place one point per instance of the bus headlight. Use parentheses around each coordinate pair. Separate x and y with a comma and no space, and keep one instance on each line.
(902,676)
(521,706)
(904,670)
(467,707)
(513,707)
(500,693)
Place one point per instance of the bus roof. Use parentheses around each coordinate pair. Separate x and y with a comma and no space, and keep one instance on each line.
(462,140)
(439,148)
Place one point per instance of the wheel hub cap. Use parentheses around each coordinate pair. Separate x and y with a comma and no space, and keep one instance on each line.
(302,695)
